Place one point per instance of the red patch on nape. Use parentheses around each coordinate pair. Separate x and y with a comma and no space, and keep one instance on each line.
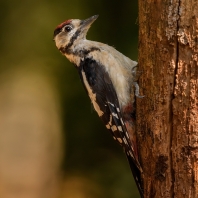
(63,24)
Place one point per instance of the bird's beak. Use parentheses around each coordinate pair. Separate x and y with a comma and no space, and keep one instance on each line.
(86,24)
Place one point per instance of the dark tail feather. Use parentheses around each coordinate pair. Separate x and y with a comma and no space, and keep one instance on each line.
(137,176)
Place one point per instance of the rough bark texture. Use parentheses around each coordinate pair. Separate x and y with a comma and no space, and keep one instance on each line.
(167,118)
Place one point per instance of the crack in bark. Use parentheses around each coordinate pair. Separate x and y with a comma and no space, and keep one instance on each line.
(174,84)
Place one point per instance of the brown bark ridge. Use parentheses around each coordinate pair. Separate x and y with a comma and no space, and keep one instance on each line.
(167,117)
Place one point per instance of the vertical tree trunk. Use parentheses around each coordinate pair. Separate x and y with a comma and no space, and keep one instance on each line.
(167,118)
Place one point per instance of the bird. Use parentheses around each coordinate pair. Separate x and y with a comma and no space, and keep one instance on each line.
(110,80)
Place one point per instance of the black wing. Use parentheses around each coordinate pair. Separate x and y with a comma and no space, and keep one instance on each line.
(97,80)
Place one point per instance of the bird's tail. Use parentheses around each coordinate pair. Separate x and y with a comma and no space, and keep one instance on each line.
(137,175)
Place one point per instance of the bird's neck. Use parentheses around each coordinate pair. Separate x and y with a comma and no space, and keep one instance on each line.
(79,50)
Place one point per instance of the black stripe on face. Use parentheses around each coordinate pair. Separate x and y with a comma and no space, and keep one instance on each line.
(73,38)
(67,50)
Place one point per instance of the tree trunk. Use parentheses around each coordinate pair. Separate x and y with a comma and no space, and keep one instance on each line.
(167,117)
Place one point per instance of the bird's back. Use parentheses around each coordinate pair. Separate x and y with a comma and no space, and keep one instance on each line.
(118,66)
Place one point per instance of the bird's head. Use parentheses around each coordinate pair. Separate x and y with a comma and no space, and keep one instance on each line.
(71,30)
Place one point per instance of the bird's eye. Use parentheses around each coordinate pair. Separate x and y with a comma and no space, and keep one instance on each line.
(68,28)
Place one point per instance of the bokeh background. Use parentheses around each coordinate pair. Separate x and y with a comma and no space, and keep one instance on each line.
(52,144)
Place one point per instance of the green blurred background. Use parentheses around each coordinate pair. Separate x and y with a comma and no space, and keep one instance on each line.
(50,136)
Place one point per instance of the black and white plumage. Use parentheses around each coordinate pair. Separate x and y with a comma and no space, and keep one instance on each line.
(109,78)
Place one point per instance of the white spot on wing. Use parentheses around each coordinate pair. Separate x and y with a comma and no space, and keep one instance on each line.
(91,95)
(115,115)
(120,128)
(131,154)
(125,141)
(121,121)
(111,104)
(114,128)
(119,140)
(110,121)
(127,135)
(108,126)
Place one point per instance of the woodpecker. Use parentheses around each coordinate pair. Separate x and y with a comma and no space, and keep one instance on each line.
(110,80)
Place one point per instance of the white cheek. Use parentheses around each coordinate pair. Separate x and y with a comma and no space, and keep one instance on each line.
(60,41)
(63,39)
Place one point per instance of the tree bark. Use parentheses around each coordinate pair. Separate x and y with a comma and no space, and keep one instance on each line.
(167,117)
